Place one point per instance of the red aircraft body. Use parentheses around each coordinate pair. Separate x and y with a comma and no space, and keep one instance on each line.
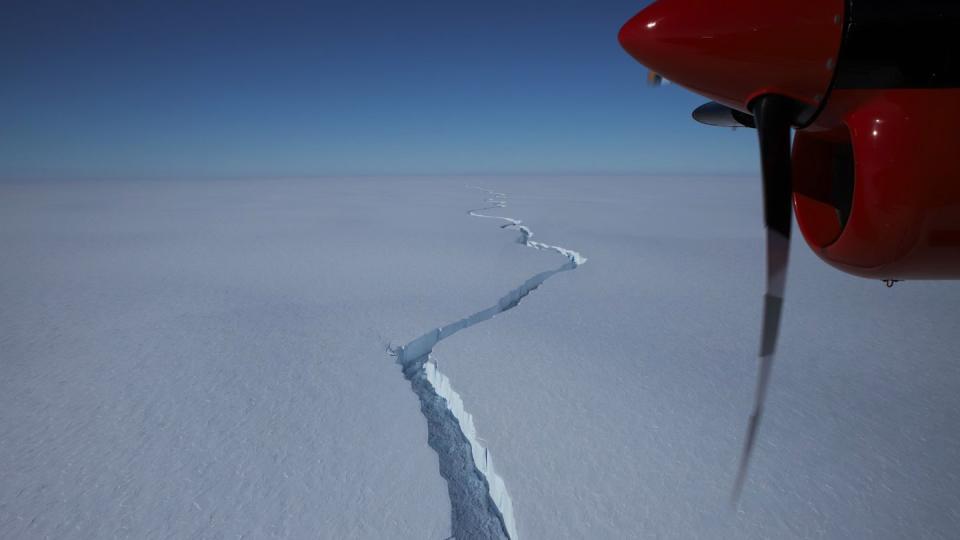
(872,90)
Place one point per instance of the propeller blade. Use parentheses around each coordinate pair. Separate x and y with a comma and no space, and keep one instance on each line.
(715,114)
(774,116)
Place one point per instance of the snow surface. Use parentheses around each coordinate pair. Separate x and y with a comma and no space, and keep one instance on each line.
(209,359)
(615,398)
(184,359)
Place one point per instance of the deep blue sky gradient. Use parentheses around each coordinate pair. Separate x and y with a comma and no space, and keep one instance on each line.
(223,89)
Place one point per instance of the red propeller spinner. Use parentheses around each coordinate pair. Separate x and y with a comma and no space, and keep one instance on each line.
(733,52)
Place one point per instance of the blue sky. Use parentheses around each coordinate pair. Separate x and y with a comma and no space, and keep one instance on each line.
(226,89)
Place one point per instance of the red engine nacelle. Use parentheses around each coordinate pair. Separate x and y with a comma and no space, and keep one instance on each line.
(876,177)
(902,219)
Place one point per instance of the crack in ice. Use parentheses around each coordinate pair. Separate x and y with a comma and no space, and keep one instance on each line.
(481,506)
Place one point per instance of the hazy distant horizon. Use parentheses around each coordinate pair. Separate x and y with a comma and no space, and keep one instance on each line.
(371,88)
(320,177)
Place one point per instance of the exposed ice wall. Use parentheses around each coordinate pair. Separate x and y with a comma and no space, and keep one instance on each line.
(481,456)
(480,505)
(477,499)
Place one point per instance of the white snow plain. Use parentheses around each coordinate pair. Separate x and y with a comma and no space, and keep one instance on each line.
(208,359)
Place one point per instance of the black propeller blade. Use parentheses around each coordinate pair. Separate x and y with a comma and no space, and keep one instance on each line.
(773,116)
(715,114)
